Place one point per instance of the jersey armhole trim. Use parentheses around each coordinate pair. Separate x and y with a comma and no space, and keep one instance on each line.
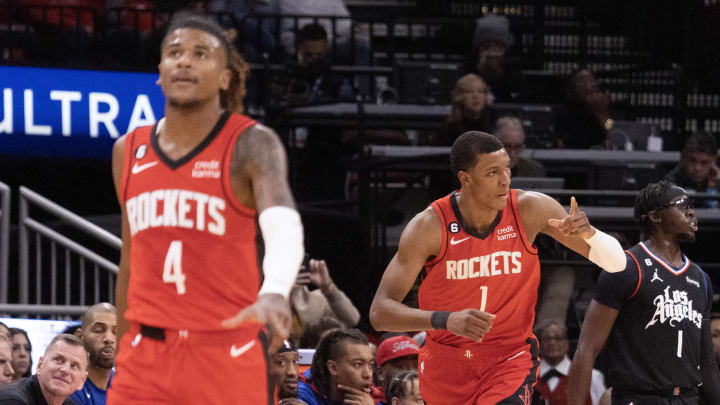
(227,161)
(127,154)
(443,248)
(637,266)
(516,216)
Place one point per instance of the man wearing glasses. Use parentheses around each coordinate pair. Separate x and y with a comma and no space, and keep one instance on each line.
(512,135)
(655,314)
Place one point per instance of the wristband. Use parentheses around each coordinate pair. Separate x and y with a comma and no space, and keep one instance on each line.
(438,319)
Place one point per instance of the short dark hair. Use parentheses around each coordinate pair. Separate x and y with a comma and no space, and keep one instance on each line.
(464,151)
(312,32)
(651,198)
(331,346)
(101,307)
(714,315)
(313,332)
(701,142)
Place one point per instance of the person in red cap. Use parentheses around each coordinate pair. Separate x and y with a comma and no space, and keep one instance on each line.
(394,355)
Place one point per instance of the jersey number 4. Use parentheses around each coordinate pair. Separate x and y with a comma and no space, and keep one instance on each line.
(172,270)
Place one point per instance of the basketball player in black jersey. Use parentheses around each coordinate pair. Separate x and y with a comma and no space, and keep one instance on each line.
(654,315)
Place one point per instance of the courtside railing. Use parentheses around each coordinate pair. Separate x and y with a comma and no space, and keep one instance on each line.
(61,274)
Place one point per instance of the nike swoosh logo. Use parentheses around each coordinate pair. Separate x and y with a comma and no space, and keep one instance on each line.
(455,242)
(138,168)
(237,351)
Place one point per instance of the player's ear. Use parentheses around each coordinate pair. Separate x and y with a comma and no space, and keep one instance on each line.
(463,177)
(332,367)
(78,333)
(225,78)
(654,217)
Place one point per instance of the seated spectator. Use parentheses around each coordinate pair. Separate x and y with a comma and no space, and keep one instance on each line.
(61,371)
(583,120)
(315,295)
(6,370)
(715,330)
(395,355)
(698,169)
(512,135)
(21,353)
(404,389)
(469,112)
(308,80)
(490,59)
(555,366)
(98,333)
(284,372)
(341,370)
(313,332)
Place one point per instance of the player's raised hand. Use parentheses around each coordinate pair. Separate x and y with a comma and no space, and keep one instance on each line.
(470,323)
(273,311)
(575,223)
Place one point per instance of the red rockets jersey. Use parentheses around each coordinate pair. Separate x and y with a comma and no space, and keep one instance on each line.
(194,255)
(498,273)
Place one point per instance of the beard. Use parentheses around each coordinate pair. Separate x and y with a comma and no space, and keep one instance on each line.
(183,104)
(97,359)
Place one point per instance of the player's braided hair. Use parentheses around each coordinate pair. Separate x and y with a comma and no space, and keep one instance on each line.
(650,198)
(232,98)
(464,151)
(331,347)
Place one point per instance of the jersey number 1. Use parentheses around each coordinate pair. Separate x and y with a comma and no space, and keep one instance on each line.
(483,300)
(172,271)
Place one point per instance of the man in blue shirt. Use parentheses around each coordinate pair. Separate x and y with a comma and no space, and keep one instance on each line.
(98,332)
(341,371)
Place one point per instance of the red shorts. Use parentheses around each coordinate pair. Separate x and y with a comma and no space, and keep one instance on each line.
(453,375)
(192,367)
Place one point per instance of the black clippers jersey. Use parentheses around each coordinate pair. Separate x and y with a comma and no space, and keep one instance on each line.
(655,342)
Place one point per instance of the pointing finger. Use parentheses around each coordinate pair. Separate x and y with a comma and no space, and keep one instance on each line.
(573,206)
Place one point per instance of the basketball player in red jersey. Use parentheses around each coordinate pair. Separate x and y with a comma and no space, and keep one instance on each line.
(197,190)
(480,274)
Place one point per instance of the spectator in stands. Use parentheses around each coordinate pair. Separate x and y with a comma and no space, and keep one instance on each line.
(98,333)
(555,365)
(395,355)
(512,135)
(308,79)
(61,371)
(715,330)
(6,370)
(468,111)
(490,59)
(698,169)
(341,370)
(21,353)
(404,389)
(313,333)
(584,119)
(315,295)
(284,372)
(5,331)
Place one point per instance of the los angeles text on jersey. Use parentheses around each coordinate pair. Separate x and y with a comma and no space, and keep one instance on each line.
(674,306)
(494,264)
(172,208)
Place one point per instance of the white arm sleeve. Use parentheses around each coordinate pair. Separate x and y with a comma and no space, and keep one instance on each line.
(606,252)
(282,233)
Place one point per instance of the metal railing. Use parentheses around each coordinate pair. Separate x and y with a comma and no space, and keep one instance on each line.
(67,274)
(5,195)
